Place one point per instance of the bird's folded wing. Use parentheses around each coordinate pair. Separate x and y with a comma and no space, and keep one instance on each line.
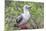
(19,19)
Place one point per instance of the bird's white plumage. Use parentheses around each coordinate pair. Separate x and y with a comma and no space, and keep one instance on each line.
(25,9)
(25,18)
(25,15)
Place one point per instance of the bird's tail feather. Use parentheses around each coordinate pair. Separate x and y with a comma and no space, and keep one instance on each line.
(15,25)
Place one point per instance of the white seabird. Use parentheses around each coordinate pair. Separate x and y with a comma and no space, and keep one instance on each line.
(24,17)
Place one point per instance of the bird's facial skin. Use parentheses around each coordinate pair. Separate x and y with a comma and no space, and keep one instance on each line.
(26,7)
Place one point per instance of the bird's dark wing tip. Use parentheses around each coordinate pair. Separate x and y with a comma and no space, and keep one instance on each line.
(19,19)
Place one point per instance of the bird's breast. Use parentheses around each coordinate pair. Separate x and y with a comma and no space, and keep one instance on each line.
(26,16)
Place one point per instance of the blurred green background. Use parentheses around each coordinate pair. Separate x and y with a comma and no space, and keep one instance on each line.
(11,12)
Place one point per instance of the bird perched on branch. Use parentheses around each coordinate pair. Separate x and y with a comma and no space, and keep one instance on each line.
(24,17)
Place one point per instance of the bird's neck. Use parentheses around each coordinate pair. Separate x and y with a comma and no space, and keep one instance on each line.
(26,12)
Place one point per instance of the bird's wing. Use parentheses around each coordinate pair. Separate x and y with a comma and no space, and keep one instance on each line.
(19,19)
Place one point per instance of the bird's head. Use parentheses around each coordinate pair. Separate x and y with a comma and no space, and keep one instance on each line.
(26,7)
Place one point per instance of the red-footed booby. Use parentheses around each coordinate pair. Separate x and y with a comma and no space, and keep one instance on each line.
(24,17)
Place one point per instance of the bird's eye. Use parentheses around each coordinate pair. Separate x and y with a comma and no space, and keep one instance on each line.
(27,7)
